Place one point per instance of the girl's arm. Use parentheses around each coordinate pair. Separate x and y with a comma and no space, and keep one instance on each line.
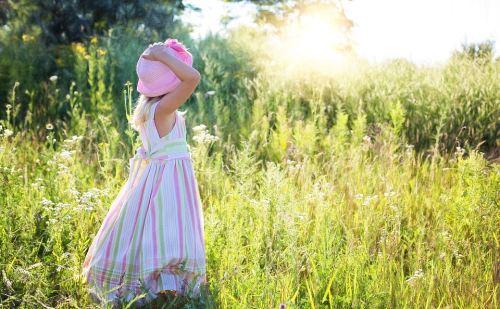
(189,76)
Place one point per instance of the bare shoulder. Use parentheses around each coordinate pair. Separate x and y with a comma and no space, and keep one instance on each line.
(162,114)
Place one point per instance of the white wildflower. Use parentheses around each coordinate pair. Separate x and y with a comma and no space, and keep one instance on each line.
(66,155)
(368,199)
(391,193)
(199,128)
(34,266)
(418,274)
(46,201)
(8,283)
(202,135)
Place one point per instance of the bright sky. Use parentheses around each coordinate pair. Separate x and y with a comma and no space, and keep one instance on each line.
(423,31)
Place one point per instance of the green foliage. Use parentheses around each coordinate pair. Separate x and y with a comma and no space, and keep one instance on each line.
(80,80)
(432,104)
(480,52)
(371,226)
(64,22)
(429,105)
(42,39)
(317,191)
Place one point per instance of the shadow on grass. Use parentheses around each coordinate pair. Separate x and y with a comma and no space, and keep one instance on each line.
(171,300)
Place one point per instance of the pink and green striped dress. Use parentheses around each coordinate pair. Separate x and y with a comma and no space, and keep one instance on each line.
(153,233)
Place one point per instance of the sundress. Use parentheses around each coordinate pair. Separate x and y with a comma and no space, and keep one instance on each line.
(152,235)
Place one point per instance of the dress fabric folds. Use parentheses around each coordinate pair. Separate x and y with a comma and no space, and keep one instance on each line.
(152,236)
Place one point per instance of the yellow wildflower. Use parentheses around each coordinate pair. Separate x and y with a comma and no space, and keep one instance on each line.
(87,57)
(32,37)
(93,40)
(103,144)
(25,37)
(80,48)
(101,52)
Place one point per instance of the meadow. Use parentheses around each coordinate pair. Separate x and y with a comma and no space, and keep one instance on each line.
(330,185)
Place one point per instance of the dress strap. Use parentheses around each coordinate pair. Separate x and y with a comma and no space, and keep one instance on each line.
(183,126)
(152,110)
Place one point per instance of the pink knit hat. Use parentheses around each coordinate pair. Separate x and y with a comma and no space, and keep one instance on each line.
(155,78)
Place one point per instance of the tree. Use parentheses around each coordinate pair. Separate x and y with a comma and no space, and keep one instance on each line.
(64,21)
(480,52)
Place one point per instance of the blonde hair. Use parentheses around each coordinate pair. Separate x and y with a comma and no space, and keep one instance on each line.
(142,109)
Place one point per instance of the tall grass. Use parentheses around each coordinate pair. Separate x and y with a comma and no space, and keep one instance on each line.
(354,190)
(244,81)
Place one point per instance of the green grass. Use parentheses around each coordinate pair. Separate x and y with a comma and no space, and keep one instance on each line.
(342,190)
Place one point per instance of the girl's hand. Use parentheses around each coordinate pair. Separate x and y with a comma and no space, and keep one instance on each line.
(154,51)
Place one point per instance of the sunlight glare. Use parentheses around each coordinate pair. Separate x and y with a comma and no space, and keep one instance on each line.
(310,46)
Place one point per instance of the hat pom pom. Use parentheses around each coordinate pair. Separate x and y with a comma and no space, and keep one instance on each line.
(176,45)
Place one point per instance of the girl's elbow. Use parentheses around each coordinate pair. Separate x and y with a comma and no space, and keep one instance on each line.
(196,76)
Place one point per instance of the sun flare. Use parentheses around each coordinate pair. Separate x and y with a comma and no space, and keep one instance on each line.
(310,45)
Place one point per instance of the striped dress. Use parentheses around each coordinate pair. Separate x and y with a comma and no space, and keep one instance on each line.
(152,237)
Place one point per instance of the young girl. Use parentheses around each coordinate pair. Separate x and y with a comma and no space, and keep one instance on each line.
(152,235)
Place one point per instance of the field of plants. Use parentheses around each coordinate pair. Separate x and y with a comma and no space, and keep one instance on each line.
(332,184)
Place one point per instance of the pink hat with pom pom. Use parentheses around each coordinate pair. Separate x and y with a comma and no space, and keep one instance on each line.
(156,78)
